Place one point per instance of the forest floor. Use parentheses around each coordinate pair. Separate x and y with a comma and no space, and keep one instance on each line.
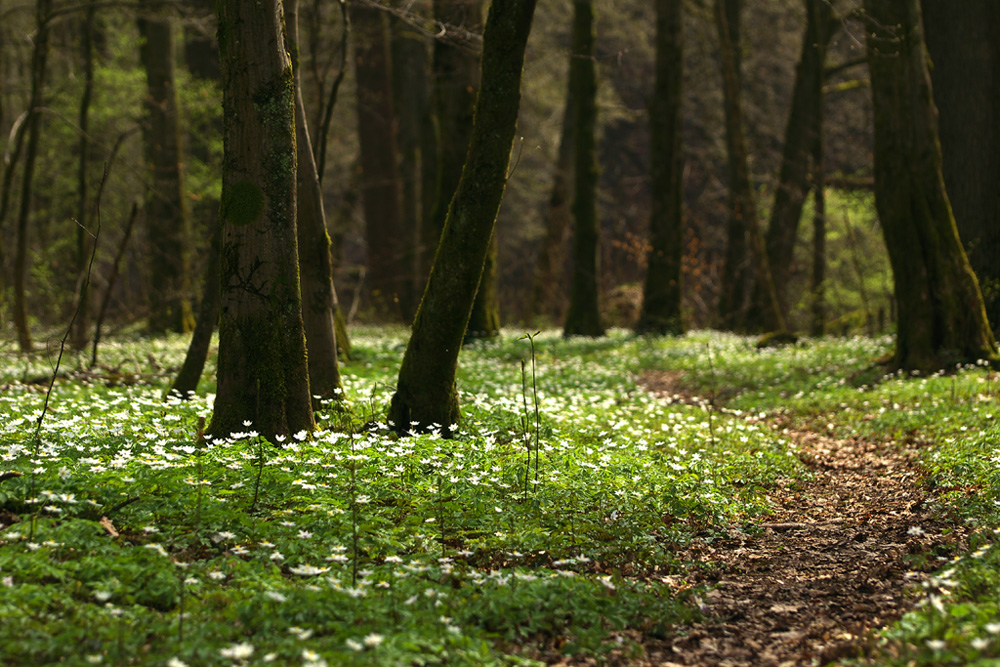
(836,561)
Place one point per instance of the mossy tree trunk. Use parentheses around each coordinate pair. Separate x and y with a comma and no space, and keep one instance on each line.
(319,297)
(583,316)
(380,183)
(962,40)
(39,63)
(425,391)
(662,293)
(167,221)
(802,131)
(941,318)
(745,254)
(263,375)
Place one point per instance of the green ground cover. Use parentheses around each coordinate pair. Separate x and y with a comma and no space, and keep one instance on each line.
(138,543)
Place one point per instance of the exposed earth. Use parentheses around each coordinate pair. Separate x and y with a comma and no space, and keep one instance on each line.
(836,561)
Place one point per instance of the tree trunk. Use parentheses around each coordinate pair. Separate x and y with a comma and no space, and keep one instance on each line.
(456,71)
(319,298)
(802,131)
(81,324)
(743,231)
(583,317)
(411,94)
(263,376)
(817,325)
(547,284)
(662,294)
(167,220)
(188,377)
(380,183)
(941,317)
(961,38)
(33,122)
(484,321)
(425,391)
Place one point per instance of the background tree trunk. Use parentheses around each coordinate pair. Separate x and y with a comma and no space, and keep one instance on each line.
(425,391)
(33,123)
(962,40)
(263,375)
(662,293)
(941,317)
(81,324)
(583,317)
(167,220)
(186,382)
(380,183)
(319,298)
(803,130)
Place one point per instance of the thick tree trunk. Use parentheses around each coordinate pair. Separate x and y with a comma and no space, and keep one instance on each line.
(167,220)
(744,236)
(425,391)
(941,317)
(33,122)
(319,298)
(803,130)
(662,294)
(583,317)
(263,376)
(380,183)
(961,38)
(81,324)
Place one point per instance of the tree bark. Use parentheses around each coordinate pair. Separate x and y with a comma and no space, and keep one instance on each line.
(583,317)
(39,60)
(380,183)
(81,324)
(744,237)
(662,293)
(804,128)
(961,39)
(425,391)
(186,382)
(319,298)
(941,316)
(263,375)
(167,219)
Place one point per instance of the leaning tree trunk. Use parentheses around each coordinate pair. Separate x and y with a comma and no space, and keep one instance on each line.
(744,230)
(425,391)
(319,298)
(39,60)
(167,220)
(802,131)
(662,293)
(961,38)
(380,185)
(263,376)
(186,382)
(941,319)
(583,317)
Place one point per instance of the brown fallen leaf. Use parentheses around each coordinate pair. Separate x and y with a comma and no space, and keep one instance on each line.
(108,526)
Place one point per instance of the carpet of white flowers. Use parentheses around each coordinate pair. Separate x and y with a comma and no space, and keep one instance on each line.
(130,540)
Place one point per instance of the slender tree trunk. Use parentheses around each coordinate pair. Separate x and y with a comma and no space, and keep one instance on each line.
(583,317)
(744,231)
(547,284)
(167,219)
(319,298)
(662,295)
(82,322)
(817,325)
(263,376)
(33,122)
(802,131)
(961,38)
(425,391)
(380,183)
(411,94)
(941,316)
(188,377)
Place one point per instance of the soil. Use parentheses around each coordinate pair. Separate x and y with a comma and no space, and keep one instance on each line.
(836,561)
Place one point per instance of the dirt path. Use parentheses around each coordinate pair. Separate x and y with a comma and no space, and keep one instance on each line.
(826,569)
